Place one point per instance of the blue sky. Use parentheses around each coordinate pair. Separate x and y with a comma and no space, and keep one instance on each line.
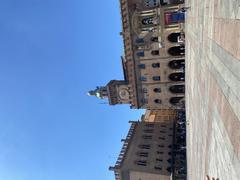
(51,53)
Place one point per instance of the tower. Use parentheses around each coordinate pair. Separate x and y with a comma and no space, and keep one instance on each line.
(116,91)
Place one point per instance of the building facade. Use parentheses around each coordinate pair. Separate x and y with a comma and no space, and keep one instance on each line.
(147,152)
(153,60)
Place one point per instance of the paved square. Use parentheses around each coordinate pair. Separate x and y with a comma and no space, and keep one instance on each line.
(212,89)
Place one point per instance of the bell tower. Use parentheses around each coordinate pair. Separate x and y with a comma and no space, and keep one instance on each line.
(100,92)
(116,91)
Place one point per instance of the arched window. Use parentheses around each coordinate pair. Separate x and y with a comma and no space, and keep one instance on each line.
(156,65)
(177,64)
(157,90)
(177,76)
(175,100)
(177,89)
(173,37)
(176,50)
(158,101)
(155,52)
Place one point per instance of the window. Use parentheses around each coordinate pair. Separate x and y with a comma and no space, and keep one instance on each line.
(141,163)
(158,101)
(148,130)
(141,66)
(163,125)
(144,146)
(162,131)
(155,52)
(140,54)
(154,39)
(161,146)
(156,65)
(169,160)
(143,78)
(142,154)
(177,76)
(175,100)
(144,90)
(160,160)
(157,167)
(162,138)
(156,78)
(147,137)
(139,40)
(149,124)
(157,90)
(160,152)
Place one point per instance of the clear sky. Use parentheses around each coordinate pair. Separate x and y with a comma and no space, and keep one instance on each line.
(51,53)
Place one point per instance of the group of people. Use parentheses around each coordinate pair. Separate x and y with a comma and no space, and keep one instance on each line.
(179,150)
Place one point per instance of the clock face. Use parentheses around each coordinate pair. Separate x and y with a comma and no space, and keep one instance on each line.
(124,94)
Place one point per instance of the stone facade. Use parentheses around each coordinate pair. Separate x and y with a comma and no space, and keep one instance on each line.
(153,61)
(146,152)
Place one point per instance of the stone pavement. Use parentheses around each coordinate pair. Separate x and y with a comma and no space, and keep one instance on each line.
(213,89)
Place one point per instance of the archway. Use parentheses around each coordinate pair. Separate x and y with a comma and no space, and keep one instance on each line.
(175,100)
(177,64)
(177,76)
(176,50)
(177,89)
(173,37)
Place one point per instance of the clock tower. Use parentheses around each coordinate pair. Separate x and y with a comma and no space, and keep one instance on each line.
(117,92)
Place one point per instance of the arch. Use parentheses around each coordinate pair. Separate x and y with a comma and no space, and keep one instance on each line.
(175,100)
(173,37)
(177,76)
(177,89)
(176,50)
(177,64)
